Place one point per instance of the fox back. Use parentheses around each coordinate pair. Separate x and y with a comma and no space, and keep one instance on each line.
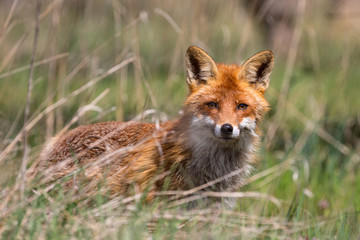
(212,144)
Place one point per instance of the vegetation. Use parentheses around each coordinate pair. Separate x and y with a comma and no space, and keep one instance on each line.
(112,60)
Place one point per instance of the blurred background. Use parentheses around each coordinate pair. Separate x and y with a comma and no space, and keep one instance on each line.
(114,59)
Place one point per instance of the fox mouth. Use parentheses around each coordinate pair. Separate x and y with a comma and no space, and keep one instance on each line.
(227,139)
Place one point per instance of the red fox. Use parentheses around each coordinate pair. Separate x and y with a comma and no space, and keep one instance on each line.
(213,141)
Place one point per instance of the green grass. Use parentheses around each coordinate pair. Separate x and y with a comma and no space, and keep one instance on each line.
(310,151)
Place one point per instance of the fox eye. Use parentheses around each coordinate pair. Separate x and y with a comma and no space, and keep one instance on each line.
(212,105)
(242,106)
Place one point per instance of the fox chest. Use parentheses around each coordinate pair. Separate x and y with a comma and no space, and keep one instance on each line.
(227,165)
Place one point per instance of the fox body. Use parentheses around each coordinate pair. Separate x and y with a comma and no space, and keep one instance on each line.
(216,135)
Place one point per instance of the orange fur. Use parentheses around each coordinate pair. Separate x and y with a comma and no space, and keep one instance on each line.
(217,134)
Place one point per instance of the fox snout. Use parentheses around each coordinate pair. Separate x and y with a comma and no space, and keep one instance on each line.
(227,131)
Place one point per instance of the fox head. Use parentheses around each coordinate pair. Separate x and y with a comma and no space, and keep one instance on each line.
(226,102)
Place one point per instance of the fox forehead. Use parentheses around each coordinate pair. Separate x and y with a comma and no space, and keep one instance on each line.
(227,87)
(228,90)
(231,71)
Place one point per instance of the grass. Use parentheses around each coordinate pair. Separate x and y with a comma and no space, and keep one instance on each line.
(310,151)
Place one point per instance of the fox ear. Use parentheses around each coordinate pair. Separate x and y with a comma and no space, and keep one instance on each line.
(257,69)
(200,67)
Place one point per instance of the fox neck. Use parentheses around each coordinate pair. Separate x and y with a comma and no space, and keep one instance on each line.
(212,158)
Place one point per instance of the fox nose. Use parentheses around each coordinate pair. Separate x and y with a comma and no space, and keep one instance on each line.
(226,129)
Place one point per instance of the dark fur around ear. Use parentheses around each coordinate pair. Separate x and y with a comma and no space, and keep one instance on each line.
(257,69)
(200,67)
